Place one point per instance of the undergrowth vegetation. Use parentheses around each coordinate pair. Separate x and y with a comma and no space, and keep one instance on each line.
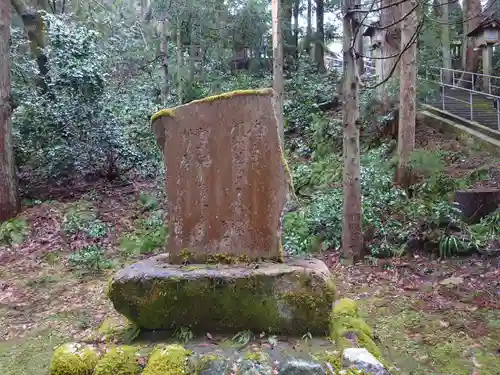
(13,231)
(395,220)
(149,235)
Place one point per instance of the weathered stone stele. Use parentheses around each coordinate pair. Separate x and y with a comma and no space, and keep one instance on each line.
(225,178)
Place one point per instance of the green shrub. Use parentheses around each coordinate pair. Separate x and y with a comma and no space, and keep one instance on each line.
(13,231)
(93,122)
(149,235)
(89,258)
(390,217)
(149,202)
(82,217)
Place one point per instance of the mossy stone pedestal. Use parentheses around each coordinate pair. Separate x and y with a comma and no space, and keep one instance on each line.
(291,298)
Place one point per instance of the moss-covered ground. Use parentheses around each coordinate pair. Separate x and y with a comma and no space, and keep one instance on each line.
(424,325)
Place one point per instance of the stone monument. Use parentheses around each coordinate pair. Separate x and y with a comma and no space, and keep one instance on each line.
(224,268)
(224,178)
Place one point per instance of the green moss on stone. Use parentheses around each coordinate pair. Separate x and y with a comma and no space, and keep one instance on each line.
(186,256)
(74,359)
(168,360)
(121,360)
(346,325)
(257,356)
(345,307)
(200,363)
(258,302)
(229,95)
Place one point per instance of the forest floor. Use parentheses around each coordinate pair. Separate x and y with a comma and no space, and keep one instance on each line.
(430,317)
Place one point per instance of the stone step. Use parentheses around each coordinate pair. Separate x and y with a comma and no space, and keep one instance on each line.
(486,118)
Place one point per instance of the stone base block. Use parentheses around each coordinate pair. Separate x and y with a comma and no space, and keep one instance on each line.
(291,298)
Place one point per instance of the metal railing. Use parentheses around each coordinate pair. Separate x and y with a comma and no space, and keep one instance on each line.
(472,96)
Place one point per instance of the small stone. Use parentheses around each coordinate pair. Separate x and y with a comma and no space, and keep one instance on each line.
(452,281)
(244,367)
(251,367)
(217,367)
(363,360)
(301,367)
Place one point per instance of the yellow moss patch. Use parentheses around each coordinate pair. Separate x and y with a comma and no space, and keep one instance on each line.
(186,256)
(345,307)
(228,95)
(74,359)
(163,112)
(257,356)
(121,360)
(168,360)
(346,322)
(209,99)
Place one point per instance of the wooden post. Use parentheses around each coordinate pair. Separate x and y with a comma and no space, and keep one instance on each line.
(487,59)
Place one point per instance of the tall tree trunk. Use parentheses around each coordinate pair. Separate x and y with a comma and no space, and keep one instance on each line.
(147,16)
(287,31)
(445,41)
(164,60)
(309,27)
(146,10)
(278,66)
(407,94)
(33,25)
(470,58)
(219,47)
(180,63)
(352,237)
(390,47)
(359,43)
(296,6)
(9,194)
(192,49)
(319,50)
